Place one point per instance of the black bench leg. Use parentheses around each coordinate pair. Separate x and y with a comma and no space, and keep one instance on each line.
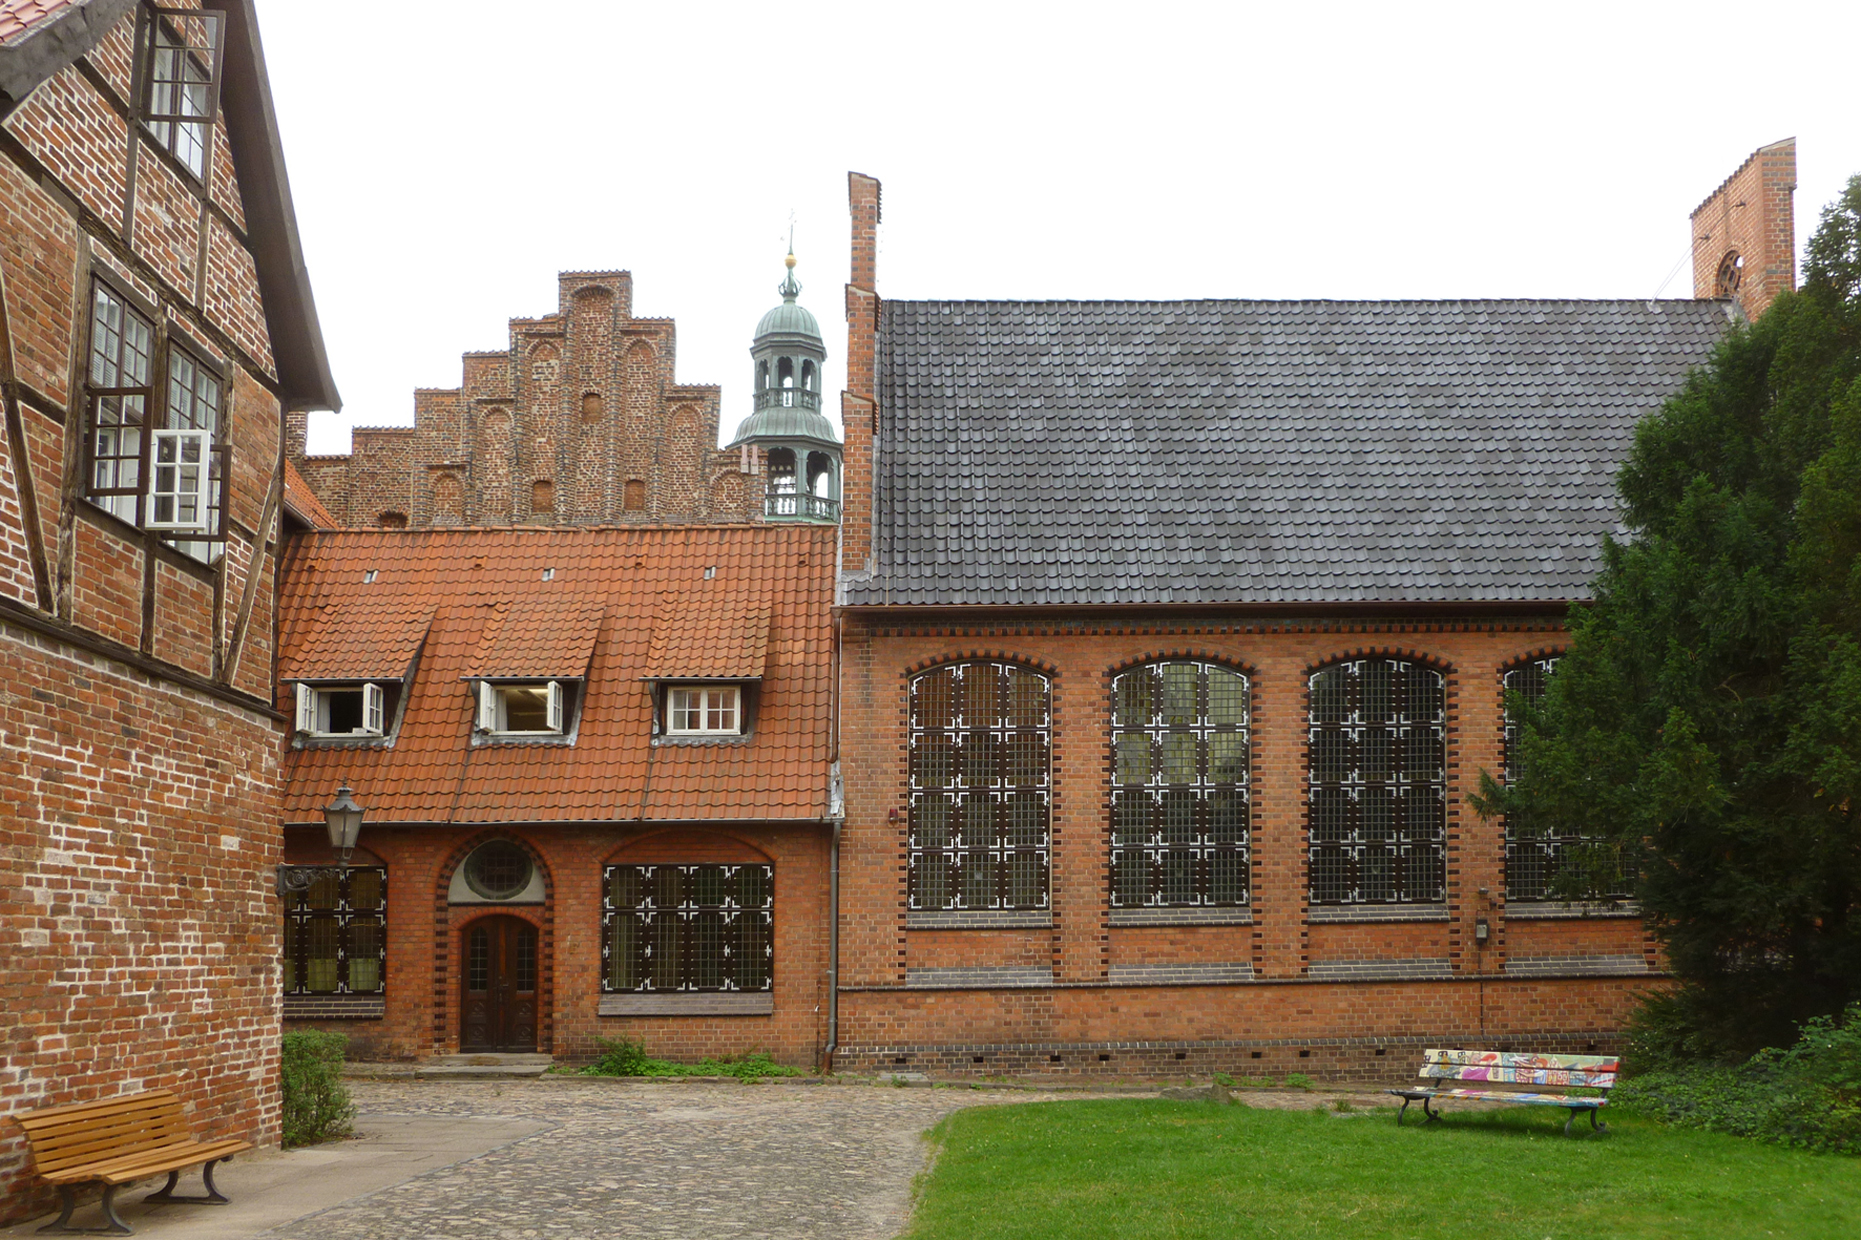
(1596,1125)
(213,1197)
(1404,1111)
(68,1197)
(1432,1115)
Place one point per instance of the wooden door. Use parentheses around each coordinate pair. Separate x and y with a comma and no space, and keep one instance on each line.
(499,1009)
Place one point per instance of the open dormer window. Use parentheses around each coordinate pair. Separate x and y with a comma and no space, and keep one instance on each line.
(342,711)
(704,710)
(523,708)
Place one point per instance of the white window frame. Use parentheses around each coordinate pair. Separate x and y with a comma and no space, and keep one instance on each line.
(719,700)
(180,477)
(492,717)
(313,708)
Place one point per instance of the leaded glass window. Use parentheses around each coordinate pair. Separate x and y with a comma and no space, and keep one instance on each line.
(981,788)
(1179,799)
(1377,773)
(687,928)
(334,933)
(1534,859)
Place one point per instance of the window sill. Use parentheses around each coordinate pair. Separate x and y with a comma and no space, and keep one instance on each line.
(338,740)
(522,738)
(702,738)
(335,1007)
(980,919)
(981,977)
(1547,910)
(1160,916)
(1375,912)
(689,1003)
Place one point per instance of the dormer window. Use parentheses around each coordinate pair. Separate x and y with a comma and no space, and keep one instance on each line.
(524,708)
(342,712)
(704,710)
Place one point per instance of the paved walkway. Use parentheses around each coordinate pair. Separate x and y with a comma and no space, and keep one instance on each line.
(568,1159)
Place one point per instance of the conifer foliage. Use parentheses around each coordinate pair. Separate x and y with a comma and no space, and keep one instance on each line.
(1706,723)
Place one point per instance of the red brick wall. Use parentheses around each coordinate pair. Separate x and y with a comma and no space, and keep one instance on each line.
(136,919)
(1081,947)
(1753,213)
(139,787)
(425,933)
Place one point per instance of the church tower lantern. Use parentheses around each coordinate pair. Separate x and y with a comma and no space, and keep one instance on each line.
(801,452)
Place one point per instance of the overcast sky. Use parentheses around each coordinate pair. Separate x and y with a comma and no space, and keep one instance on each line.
(447,159)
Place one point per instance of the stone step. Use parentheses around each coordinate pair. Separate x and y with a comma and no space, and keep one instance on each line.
(455,1067)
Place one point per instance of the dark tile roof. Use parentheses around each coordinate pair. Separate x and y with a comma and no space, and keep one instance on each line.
(489,600)
(1232,451)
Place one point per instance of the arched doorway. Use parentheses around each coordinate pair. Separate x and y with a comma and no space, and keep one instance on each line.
(498,1009)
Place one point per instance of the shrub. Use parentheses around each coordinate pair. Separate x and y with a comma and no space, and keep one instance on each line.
(1807,1094)
(317,1106)
(621,1057)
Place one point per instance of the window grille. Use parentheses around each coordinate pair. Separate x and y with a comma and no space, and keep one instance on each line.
(980,788)
(1534,859)
(1179,801)
(687,928)
(333,934)
(1377,773)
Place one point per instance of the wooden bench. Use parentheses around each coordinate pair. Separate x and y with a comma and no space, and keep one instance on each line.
(1513,1074)
(116,1142)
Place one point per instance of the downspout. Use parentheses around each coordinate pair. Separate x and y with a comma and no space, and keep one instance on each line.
(836,807)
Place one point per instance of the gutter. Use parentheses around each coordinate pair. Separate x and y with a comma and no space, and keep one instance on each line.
(1214,611)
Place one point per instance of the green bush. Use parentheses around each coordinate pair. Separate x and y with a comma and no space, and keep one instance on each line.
(620,1057)
(317,1106)
(1807,1094)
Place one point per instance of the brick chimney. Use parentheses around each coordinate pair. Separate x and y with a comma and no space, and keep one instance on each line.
(296,433)
(859,405)
(1744,235)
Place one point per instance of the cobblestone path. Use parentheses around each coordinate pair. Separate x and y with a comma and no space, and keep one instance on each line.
(825,1162)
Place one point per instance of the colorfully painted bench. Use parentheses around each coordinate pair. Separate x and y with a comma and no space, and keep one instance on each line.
(1510,1078)
(118,1141)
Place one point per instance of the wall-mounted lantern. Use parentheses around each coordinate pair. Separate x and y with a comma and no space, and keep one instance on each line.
(343,819)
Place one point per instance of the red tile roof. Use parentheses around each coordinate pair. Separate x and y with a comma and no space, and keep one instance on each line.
(19,16)
(538,638)
(484,584)
(375,641)
(708,634)
(302,502)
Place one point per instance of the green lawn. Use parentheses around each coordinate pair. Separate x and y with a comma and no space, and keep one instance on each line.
(1135,1169)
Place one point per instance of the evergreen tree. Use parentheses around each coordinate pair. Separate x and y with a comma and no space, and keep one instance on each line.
(1705,726)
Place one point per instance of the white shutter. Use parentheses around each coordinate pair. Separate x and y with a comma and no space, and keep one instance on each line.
(179,488)
(555,706)
(487,707)
(306,708)
(373,699)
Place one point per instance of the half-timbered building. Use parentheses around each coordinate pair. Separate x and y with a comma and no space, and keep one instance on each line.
(157,324)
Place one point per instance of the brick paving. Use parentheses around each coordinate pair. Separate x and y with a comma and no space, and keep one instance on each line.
(626,1158)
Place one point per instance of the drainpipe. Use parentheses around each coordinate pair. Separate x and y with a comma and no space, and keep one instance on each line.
(836,806)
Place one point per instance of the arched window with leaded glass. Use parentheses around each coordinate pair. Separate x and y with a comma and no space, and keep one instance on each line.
(1535,859)
(1179,786)
(1377,795)
(981,788)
